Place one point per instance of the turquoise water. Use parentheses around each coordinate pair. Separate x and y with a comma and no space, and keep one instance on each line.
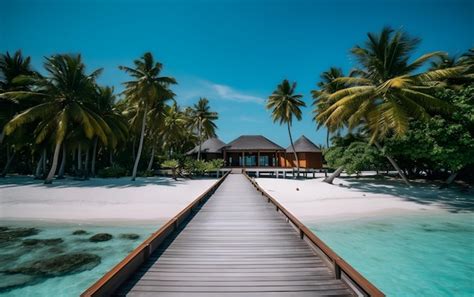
(111,252)
(411,255)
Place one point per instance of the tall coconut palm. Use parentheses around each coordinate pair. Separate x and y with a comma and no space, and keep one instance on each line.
(388,90)
(202,120)
(105,106)
(285,105)
(67,93)
(147,90)
(174,126)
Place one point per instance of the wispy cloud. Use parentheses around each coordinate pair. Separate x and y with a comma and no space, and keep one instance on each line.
(192,89)
(228,93)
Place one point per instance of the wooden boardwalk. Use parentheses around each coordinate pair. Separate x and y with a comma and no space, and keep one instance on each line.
(235,245)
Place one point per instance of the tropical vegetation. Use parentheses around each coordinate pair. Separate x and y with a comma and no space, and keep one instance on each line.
(389,91)
(392,110)
(61,121)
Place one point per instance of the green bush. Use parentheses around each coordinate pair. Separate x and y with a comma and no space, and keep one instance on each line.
(170,164)
(112,171)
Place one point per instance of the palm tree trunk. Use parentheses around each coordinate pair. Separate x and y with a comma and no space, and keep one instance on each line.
(150,164)
(294,152)
(133,149)
(327,139)
(43,173)
(86,165)
(111,157)
(394,164)
(54,165)
(10,157)
(200,140)
(94,153)
(63,162)
(140,145)
(79,158)
(39,166)
(330,179)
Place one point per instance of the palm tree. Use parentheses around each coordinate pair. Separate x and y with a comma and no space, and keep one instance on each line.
(105,106)
(387,92)
(446,61)
(12,70)
(202,120)
(173,127)
(67,93)
(285,105)
(327,86)
(147,90)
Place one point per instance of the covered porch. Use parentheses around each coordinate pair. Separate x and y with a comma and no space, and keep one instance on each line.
(247,159)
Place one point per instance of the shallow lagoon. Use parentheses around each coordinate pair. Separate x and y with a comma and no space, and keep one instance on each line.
(111,252)
(409,255)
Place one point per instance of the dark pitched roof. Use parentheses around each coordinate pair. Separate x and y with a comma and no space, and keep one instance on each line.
(252,142)
(304,145)
(212,145)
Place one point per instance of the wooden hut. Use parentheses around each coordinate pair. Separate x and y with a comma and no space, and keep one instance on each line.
(210,149)
(252,151)
(309,155)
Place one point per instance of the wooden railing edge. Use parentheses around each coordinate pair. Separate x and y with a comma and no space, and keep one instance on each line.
(146,248)
(340,265)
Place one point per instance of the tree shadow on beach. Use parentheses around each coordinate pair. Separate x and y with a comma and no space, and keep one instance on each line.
(452,199)
(123,182)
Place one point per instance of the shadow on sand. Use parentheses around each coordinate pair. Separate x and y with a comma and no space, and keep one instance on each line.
(123,182)
(452,199)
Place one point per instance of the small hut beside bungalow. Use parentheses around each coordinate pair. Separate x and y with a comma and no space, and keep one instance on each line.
(210,149)
(309,154)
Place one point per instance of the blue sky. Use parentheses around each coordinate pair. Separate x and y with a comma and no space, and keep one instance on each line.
(233,52)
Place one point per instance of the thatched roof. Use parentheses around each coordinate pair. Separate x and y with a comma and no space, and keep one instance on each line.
(304,145)
(212,145)
(252,143)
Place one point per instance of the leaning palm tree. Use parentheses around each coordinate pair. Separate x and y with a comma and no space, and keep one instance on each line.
(202,120)
(327,86)
(285,105)
(387,91)
(147,90)
(67,93)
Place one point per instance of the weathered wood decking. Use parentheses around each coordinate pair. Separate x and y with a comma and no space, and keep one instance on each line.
(235,245)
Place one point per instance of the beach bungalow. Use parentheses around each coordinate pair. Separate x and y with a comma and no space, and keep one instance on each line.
(309,154)
(252,151)
(259,151)
(210,149)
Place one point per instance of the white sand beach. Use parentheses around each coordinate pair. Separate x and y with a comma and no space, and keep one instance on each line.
(97,200)
(313,200)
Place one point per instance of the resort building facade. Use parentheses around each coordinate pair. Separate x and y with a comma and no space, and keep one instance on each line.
(259,151)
